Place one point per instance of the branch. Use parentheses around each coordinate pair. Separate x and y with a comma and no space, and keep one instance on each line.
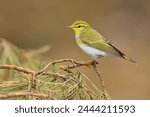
(66,68)
(28,71)
(17,68)
(99,75)
(74,64)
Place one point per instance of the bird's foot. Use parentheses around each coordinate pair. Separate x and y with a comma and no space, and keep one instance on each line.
(91,62)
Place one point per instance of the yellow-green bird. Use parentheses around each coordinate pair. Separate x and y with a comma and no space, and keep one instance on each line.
(93,43)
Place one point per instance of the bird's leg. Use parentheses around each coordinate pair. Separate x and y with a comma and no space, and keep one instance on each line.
(94,61)
(91,62)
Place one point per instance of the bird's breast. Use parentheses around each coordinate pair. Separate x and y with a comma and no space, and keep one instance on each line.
(92,51)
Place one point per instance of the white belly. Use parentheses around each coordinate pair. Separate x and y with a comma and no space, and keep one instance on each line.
(92,51)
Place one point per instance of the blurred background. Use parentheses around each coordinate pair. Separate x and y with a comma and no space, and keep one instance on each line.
(125,23)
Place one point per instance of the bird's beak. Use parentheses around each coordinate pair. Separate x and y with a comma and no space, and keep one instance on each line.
(70,26)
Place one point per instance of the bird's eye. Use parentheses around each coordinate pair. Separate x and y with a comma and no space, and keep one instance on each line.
(79,26)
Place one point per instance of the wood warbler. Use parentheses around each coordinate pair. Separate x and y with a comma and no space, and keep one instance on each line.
(93,43)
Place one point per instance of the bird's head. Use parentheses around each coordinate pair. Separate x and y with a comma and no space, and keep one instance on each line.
(80,27)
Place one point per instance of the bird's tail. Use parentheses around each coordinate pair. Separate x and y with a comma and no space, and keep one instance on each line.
(123,55)
(127,58)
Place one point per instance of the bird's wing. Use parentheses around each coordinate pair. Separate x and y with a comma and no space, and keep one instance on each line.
(94,39)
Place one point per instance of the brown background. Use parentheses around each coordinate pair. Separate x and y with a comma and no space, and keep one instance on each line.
(126,23)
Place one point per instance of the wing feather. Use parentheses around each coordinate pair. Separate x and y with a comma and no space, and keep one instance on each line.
(93,39)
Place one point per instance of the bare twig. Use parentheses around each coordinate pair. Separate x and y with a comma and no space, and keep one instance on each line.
(99,75)
(17,68)
(76,64)
(79,64)
(104,94)
(28,71)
